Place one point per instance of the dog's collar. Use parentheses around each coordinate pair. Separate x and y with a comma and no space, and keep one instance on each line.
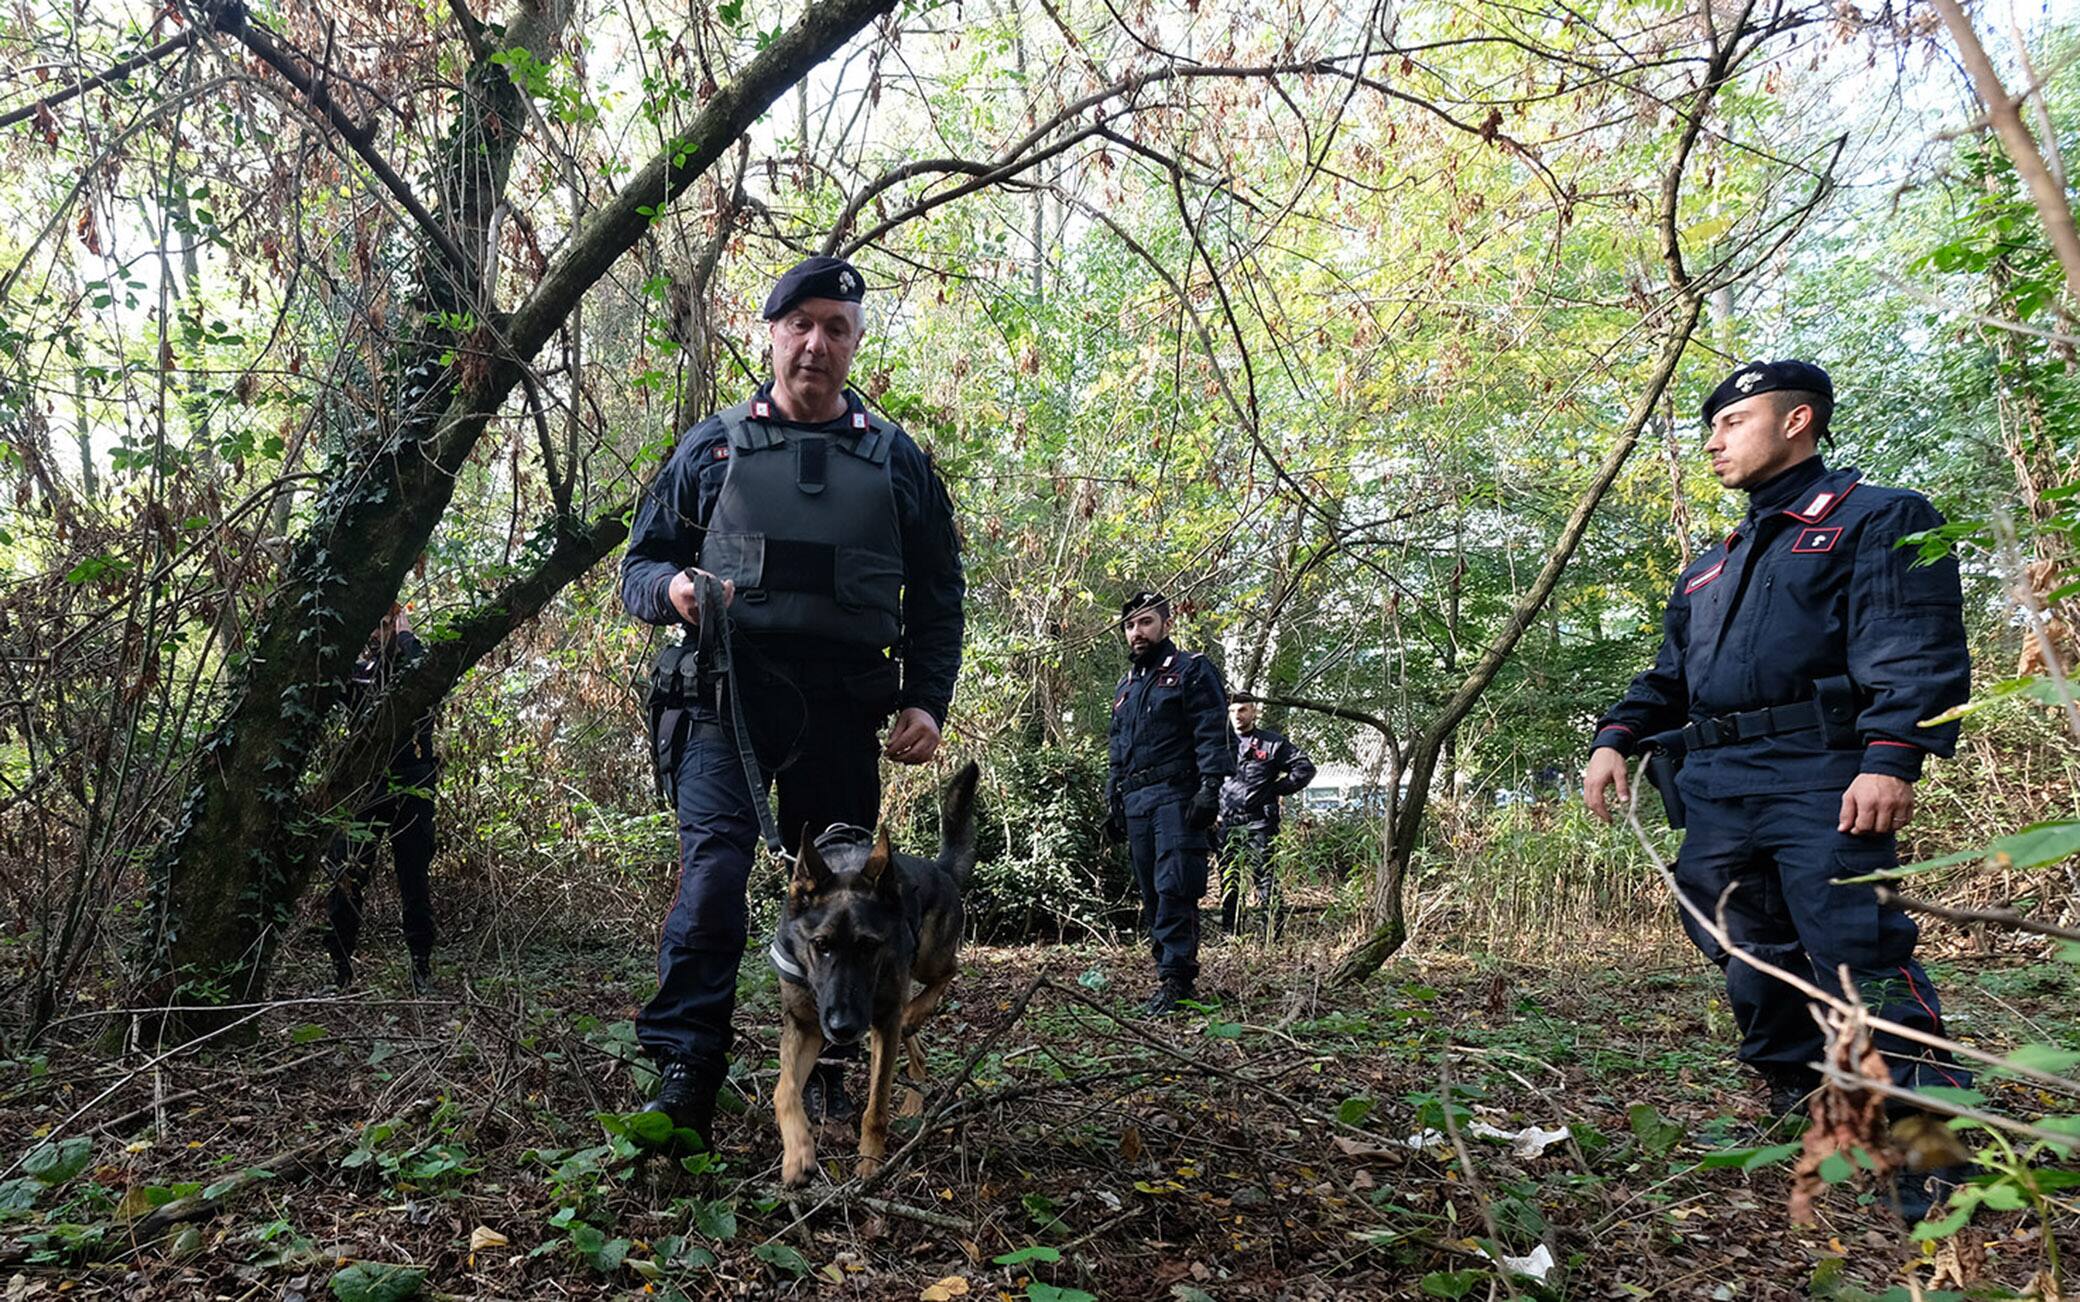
(783,963)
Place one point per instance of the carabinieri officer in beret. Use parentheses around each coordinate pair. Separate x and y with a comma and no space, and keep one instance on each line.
(834,542)
(1798,658)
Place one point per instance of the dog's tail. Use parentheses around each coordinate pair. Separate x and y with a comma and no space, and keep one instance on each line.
(957,824)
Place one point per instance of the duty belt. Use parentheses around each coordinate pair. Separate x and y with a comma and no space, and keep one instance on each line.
(1751,725)
(1155,773)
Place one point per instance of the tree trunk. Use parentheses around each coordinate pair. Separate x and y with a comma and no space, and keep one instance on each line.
(1390,928)
(226,881)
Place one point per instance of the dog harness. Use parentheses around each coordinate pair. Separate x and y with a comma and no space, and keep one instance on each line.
(784,964)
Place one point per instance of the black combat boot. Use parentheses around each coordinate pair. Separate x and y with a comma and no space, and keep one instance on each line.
(1165,1001)
(1790,1099)
(1920,1192)
(686,1093)
(342,973)
(824,1097)
(422,976)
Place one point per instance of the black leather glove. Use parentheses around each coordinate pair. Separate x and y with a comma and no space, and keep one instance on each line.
(1115,829)
(1205,810)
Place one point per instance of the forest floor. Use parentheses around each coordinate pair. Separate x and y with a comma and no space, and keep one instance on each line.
(1272,1148)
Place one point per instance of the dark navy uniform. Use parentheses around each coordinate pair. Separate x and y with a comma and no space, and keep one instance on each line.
(840,540)
(401,814)
(1268,768)
(1170,745)
(1810,588)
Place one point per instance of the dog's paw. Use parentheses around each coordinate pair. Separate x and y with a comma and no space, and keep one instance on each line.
(913,1103)
(796,1168)
(868,1165)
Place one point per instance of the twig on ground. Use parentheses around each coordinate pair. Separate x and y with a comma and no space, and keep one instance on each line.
(208,1203)
(853,1190)
(1473,1177)
(159,1104)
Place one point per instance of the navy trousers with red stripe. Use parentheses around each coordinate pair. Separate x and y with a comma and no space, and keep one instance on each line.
(1781,857)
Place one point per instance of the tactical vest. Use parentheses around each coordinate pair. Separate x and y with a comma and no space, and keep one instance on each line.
(806,527)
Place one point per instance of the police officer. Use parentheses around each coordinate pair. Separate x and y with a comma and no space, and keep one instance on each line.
(1170,751)
(402,815)
(831,541)
(1268,768)
(1798,659)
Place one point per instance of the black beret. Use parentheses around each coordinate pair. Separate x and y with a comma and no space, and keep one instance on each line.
(815,278)
(1141,601)
(1768,377)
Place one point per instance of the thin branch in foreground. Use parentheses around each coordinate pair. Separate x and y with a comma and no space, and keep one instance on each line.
(1989,917)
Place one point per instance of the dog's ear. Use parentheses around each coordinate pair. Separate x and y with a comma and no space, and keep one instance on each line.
(811,873)
(876,870)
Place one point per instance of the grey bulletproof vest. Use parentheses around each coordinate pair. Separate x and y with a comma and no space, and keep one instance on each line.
(806,527)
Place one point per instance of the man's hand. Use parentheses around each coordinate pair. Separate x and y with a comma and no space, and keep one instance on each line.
(1606,769)
(1205,809)
(686,595)
(1876,803)
(914,739)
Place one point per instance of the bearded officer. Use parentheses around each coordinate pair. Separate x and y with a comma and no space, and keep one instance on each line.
(831,540)
(1798,659)
(1170,750)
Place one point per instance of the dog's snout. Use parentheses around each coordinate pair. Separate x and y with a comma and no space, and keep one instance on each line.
(841,1026)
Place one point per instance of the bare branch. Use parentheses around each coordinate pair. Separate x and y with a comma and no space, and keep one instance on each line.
(115,73)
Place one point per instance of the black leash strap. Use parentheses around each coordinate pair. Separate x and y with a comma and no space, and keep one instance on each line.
(715,634)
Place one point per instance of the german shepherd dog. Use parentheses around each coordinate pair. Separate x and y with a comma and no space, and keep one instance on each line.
(861,926)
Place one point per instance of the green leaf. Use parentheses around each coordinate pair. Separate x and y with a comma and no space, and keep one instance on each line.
(1657,1137)
(1834,1168)
(19,1195)
(2033,847)
(54,1164)
(2047,1058)
(1751,1159)
(308,1032)
(783,1256)
(1353,1111)
(1963,1098)
(717,1220)
(1032,1252)
(1039,1292)
(372,1281)
(1451,1283)
(1929,1231)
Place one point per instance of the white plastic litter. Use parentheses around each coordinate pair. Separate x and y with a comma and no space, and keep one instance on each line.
(1531,1141)
(1535,1267)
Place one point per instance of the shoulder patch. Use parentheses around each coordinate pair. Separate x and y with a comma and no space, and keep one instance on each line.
(1817,539)
(1698,581)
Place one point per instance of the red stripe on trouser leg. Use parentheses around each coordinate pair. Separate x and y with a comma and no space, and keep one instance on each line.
(1933,1020)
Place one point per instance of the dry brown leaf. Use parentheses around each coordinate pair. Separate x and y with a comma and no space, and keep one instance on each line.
(1845,1119)
(1130,1144)
(485,1237)
(1961,1260)
(945,1290)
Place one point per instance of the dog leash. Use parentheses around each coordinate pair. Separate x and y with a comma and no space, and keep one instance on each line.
(715,624)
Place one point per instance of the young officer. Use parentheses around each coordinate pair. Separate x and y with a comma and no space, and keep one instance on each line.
(1170,750)
(1798,659)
